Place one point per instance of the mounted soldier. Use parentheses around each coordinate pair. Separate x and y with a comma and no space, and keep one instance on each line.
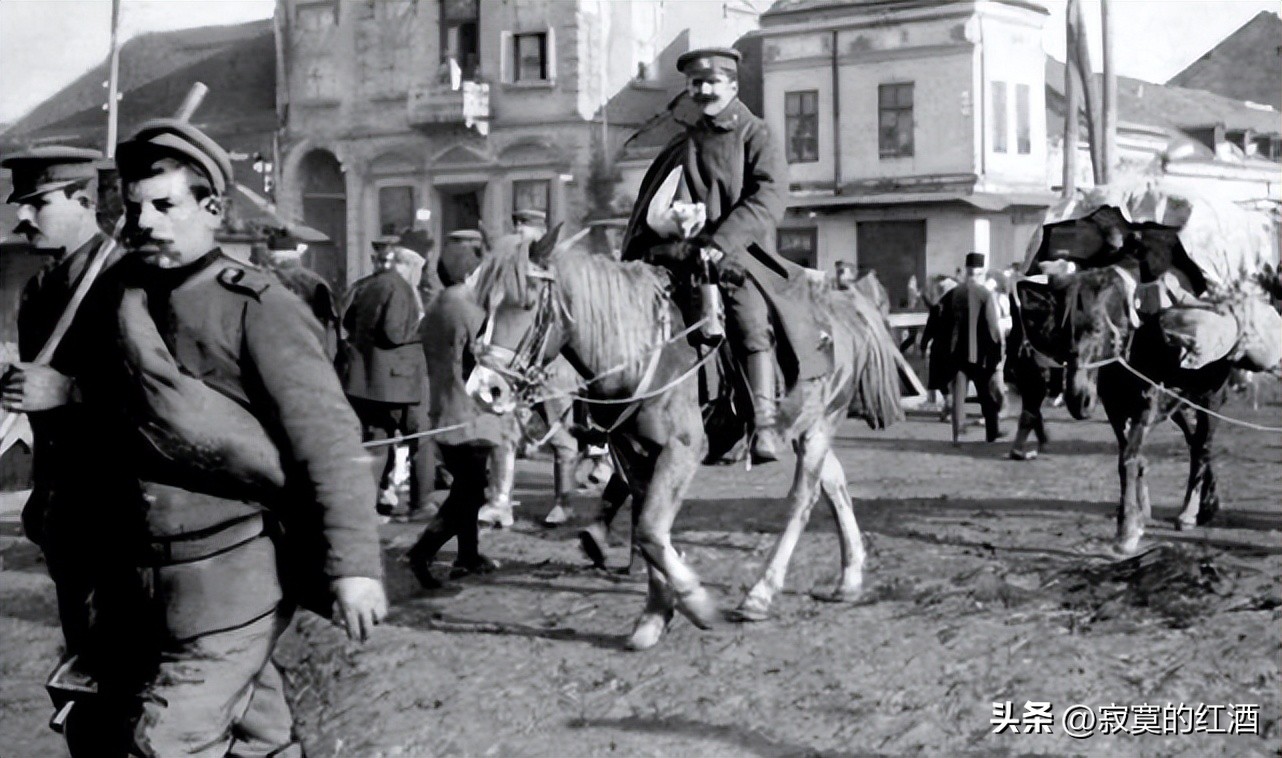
(728,160)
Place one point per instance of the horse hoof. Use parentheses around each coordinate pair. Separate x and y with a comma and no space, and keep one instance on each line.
(838,595)
(648,632)
(750,610)
(558,515)
(1128,547)
(496,516)
(1184,525)
(1206,511)
(591,542)
(698,606)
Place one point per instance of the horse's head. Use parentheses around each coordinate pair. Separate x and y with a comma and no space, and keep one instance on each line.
(523,330)
(1080,320)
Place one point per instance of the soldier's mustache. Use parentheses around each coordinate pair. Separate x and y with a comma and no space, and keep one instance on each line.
(27,229)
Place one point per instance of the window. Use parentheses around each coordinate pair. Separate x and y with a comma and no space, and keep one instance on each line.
(1023,120)
(800,245)
(801,125)
(999,116)
(895,120)
(396,208)
(530,57)
(460,42)
(316,16)
(531,194)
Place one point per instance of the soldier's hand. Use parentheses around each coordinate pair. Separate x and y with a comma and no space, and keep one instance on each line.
(31,387)
(359,604)
(731,271)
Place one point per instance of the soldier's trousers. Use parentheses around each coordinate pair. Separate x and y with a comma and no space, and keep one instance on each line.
(218,694)
(748,317)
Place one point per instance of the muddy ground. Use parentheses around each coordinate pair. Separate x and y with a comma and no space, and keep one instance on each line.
(987,580)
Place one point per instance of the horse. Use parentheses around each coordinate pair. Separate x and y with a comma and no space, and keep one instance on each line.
(618,324)
(1086,321)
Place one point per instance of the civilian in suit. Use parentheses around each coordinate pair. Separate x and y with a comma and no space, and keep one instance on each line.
(382,368)
(970,337)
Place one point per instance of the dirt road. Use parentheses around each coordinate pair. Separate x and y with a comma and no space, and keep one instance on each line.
(987,581)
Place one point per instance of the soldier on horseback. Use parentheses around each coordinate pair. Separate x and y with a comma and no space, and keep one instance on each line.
(730,162)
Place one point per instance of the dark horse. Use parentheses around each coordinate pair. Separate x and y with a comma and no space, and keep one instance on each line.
(618,325)
(1087,322)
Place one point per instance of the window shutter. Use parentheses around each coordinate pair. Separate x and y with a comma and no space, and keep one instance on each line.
(551,53)
(506,69)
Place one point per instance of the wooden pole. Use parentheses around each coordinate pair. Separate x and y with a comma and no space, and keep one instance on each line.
(113,81)
(1108,153)
(1070,131)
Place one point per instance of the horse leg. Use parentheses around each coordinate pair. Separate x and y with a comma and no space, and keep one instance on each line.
(657,616)
(1032,392)
(594,537)
(674,469)
(812,451)
(1131,465)
(832,482)
(1200,499)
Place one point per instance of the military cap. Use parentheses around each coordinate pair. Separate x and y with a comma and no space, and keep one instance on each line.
(530,216)
(49,168)
(976,260)
(709,60)
(286,246)
(466,235)
(171,138)
(386,240)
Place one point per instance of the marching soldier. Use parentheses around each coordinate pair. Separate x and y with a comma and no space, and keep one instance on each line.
(55,189)
(208,555)
(733,164)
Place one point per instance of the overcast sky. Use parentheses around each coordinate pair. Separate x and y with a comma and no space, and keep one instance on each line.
(48,43)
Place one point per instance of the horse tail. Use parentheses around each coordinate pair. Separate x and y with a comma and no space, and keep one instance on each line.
(875,368)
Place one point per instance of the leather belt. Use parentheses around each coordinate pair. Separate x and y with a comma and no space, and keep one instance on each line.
(193,547)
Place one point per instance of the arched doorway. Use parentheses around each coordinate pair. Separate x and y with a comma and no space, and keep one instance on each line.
(325,208)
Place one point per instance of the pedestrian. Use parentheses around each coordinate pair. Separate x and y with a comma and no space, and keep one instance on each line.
(469,434)
(729,160)
(285,260)
(381,367)
(220,569)
(845,275)
(56,189)
(970,331)
(932,344)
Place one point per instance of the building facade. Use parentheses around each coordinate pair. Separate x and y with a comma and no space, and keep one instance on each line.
(438,115)
(915,132)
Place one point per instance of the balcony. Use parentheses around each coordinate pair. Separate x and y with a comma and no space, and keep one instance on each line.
(436,106)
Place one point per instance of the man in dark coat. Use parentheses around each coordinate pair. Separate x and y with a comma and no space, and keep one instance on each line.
(55,189)
(732,163)
(448,333)
(285,260)
(383,373)
(209,550)
(970,333)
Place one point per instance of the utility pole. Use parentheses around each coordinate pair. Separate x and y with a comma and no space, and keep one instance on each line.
(1070,127)
(113,83)
(1108,153)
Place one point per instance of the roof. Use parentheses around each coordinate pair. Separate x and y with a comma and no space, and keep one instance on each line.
(1175,108)
(237,63)
(143,60)
(1243,65)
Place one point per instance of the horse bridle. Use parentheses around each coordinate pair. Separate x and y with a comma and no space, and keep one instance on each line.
(524,366)
(1121,340)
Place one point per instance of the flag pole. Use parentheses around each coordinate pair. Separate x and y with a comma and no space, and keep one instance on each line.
(113,81)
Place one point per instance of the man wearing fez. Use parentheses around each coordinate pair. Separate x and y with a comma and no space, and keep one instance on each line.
(382,369)
(221,565)
(970,335)
(55,189)
(733,164)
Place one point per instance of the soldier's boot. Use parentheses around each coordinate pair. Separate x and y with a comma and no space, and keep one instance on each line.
(761,378)
(562,480)
(437,532)
(1018,451)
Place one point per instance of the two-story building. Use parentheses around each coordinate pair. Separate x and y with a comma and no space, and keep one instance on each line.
(449,114)
(915,132)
